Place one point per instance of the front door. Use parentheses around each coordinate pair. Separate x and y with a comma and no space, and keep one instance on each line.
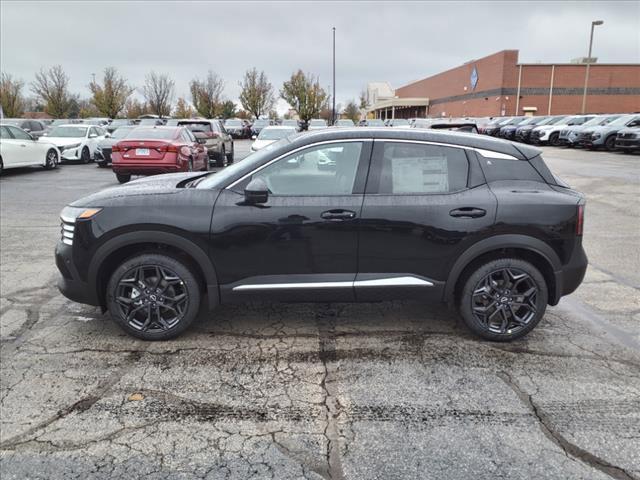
(302,243)
(425,204)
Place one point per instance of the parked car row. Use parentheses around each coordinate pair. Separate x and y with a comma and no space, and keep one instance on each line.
(612,132)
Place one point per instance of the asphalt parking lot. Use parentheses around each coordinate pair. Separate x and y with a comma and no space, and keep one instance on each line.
(335,391)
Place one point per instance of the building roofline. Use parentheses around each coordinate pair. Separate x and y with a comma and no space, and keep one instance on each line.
(563,64)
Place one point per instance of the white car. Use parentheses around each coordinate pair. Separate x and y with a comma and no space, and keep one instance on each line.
(550,132)
(19,149)
(77,142)
(317,124)
(269,135)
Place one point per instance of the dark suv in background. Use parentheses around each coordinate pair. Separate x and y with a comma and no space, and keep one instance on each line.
(479,223)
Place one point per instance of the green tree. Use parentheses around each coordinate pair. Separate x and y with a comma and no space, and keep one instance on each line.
(228,109)
(183,109)
(256,95)
(352,112)
(158,90)
(52,86)
(304,94)
(206,95)
(133,108)
(11,98)
(110,97)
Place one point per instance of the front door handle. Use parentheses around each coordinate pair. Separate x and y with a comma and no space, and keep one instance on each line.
(337,215)
(468,212)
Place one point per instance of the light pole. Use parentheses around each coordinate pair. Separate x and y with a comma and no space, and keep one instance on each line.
(586,73)
(333,108)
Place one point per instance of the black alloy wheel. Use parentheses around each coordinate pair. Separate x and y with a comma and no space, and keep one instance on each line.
(231,154)
(554,139)
(51,160)
(221,157)
(504,299)
(610,143)
(85,156)
(153,296)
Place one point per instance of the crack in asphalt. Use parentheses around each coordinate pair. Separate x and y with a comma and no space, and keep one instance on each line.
(570,449)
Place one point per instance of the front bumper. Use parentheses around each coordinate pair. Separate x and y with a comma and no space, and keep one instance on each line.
(72,154)
(70,284)
(628,143)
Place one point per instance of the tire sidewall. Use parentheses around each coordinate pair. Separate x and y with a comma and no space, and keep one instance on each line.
(465,298)
(86,159)
(54,164)
(171,263)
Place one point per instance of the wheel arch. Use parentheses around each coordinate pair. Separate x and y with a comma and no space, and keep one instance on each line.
(531,249)
(109,255)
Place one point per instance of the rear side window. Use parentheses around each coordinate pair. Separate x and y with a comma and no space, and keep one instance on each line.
(413,168)
(496,169)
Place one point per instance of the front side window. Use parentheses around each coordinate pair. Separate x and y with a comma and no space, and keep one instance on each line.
(408,168)
(4,133)
(322,170)
(19,134)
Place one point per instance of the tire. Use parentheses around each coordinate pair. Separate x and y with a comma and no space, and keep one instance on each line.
(231,154)
(163,278)
(190,165)
(123,177)
(51,159)
(102,164)
(487,295)
(1,166)
(610,143)
(205,167)
(553,139)
(220,158)
(85,156)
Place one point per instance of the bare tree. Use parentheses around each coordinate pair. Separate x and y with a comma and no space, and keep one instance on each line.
(305,95)
(159,89)
(110,97)
(11,98)
(52,86)
(206,95)
(257,94)
(133,108)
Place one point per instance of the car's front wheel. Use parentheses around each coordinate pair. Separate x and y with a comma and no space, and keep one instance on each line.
(231,154)
(51,159)
(610,143)
(221,157)
(503,299)
(85,156)
(153,296)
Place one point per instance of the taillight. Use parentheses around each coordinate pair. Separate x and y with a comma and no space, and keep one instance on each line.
(171,148)
(115,148)
(580,222)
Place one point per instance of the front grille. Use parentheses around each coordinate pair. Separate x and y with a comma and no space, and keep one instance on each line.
(106,154)
(67,227)
(564,133)
(627,135)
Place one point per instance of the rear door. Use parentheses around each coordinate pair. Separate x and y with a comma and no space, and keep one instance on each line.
(424,205)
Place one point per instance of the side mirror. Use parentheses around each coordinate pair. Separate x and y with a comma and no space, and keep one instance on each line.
(253,137)
(256,192)
(28,130)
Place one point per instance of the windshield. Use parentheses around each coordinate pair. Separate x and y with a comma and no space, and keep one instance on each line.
(318,123)
(233,123)
(197,126)
(275,133)
(344,123)
(400,121)
(55,123)
(375,123)
(621,121)
(260,123)
(148,121)
(122,132)
(551,121)
(119,121)
(221,178)
(154,133)
(68,132)
(290,123)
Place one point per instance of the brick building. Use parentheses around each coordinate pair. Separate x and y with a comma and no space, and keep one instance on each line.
(498,85)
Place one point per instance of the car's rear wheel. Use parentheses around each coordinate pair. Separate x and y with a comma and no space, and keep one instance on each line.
(231,154)
(85,156)
(153,296)
(221,156)
(503,299)
(51,159)
(610,143)
(554,139)
(123,177)
(1,166)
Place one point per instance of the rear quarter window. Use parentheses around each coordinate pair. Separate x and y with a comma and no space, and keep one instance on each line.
(496,169)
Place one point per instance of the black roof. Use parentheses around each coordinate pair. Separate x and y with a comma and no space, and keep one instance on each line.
(521,151)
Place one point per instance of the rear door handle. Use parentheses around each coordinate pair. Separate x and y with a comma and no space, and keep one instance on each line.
(468,212)
(337,215)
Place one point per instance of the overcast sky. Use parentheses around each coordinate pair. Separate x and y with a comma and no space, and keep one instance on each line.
(376,41)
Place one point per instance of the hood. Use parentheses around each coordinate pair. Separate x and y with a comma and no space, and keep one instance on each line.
(61,141)
(167,183)
(258,144)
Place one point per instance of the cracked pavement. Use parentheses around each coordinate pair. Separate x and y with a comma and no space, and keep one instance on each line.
(330,391)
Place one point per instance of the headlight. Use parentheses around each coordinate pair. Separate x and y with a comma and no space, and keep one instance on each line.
(71,214)
(595,136)
(68,147)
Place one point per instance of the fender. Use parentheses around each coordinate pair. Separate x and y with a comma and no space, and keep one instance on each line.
(156,236)
(504,241)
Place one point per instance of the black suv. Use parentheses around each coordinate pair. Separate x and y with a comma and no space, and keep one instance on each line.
(336,215)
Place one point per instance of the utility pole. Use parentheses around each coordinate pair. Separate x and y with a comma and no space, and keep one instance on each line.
(586,74)
(333,109)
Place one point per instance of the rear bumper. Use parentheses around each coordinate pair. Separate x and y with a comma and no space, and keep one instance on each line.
(145,169)
(570,277)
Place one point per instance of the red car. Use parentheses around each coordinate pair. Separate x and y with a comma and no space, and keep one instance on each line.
(153,150)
